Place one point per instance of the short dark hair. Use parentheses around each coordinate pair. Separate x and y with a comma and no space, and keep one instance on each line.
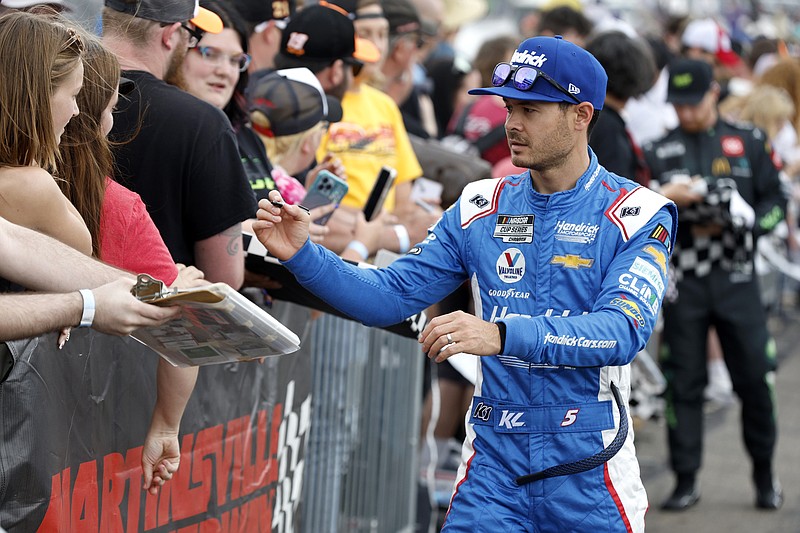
(561,20)
(628,62)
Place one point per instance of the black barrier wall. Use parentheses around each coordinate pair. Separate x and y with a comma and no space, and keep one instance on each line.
(72,424)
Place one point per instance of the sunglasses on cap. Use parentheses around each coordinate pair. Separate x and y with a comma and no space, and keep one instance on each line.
(523,77)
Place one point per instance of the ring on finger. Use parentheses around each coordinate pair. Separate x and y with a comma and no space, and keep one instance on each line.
(449,339)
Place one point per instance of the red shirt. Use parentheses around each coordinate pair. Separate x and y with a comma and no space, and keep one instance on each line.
(128,237)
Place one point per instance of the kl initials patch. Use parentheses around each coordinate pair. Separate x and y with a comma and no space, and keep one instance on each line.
(660,234)
(732,145)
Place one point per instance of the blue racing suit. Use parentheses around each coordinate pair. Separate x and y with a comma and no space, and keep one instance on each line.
(577,278)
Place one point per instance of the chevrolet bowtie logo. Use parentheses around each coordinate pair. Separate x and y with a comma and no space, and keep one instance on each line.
(571,261)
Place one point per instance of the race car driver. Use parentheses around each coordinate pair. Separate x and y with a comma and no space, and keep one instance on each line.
(568,266)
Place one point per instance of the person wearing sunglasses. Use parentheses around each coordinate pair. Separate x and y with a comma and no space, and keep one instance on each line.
(567,266)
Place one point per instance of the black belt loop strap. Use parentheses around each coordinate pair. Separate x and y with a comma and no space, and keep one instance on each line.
(590,462)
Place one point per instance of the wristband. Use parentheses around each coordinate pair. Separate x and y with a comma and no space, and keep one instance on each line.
(402,237)
(360,248)
(88,308)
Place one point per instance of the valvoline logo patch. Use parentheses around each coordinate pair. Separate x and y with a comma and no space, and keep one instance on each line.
(511,265)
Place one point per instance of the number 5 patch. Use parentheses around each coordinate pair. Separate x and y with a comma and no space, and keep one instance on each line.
(570,417)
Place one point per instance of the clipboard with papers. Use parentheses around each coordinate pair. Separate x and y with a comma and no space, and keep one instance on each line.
(218,325)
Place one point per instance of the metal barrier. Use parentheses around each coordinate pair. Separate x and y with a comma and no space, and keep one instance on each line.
(361,459)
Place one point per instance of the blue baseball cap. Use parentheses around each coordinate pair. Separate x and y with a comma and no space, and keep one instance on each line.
(577,72)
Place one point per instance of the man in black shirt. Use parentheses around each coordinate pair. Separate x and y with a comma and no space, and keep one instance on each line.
(631,72)
(178,152)
(726,185)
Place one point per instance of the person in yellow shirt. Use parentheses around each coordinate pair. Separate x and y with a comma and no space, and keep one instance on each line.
(371,135)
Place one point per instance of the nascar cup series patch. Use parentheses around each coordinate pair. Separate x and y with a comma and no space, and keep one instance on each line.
(514,228)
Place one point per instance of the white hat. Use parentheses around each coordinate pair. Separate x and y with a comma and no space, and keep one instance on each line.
(707,35)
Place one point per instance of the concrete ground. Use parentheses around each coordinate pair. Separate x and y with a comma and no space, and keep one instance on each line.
(727,495)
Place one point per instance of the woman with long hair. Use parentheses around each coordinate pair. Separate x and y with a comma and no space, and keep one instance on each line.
(41,74)
(124,236)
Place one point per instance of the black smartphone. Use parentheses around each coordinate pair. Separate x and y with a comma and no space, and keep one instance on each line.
(328,188)
(379,191)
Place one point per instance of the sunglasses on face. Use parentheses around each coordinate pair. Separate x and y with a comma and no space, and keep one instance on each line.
(522,78)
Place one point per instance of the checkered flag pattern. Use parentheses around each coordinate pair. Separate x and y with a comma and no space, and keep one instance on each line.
(732,249)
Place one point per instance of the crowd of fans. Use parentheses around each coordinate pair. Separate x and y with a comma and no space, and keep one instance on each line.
(147,147)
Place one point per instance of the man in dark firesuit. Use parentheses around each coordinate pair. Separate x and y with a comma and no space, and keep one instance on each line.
(724,179)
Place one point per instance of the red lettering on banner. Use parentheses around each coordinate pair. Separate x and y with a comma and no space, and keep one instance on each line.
(133,466)
(236,459)
(258,473)
(188,501)
(209,444)
(55,519)
(266,466)
(211,525)
(84,499)
(230,521)
(150,505)
(256,515)
(247,460)
(233,446)
(114,478)
(164,498)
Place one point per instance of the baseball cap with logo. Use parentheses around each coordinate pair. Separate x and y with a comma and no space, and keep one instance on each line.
(707,35)
(169,12)
(689,81)
(291,101)
(566,73)
(320,34)
(259,12)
